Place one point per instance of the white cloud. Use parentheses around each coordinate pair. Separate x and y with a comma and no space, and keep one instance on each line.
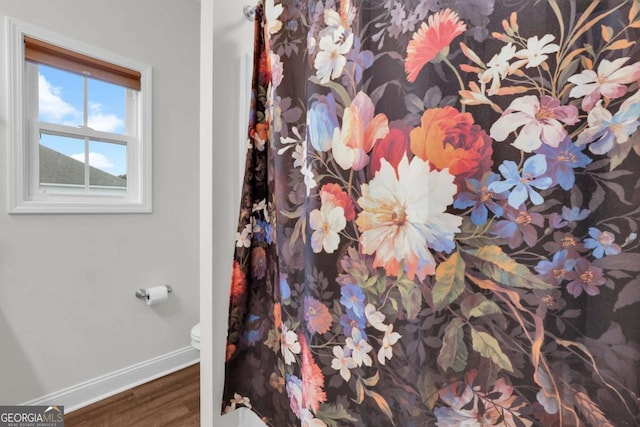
(52,107)
(103,122)
(56,110)
(97,160)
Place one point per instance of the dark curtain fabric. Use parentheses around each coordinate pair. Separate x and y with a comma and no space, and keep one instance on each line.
(438,225)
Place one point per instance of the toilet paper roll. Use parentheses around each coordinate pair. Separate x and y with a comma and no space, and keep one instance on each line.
(157,295)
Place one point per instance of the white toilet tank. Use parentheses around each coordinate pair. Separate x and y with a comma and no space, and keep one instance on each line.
(195,337)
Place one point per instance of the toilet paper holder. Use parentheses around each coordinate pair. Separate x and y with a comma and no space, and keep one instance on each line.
(142,293)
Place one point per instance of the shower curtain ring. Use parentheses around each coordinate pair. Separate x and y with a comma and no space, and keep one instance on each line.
(249,12)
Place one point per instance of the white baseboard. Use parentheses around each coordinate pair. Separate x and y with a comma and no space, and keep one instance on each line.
(88,392)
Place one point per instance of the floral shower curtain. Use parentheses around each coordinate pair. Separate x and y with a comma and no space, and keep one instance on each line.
(438,225)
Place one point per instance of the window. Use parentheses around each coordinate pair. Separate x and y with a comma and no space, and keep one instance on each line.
(79,126)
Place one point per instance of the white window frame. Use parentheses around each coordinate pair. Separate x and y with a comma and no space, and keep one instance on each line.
(25,195)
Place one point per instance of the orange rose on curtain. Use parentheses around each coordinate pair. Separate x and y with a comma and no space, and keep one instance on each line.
(450,139)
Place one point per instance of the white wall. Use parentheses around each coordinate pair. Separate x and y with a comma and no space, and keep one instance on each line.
(67,307)
(226,37)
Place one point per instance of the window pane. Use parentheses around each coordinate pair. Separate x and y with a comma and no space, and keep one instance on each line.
(108,163)
(106,104)
(60,96)
(61,162)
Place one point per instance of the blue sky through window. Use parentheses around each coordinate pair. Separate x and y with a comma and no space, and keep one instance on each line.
(61,101)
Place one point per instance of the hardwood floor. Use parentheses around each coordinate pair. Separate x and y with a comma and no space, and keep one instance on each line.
(173,401)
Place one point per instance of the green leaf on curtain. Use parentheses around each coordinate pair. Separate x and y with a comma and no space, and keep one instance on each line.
(381,285)
(449,281)
(472,237)
(376,95)
(413,103)
(619,153)
(630,294)
(568,71)
(488,347)
(497,265)
(453,354)
(370,282)
(428,389)
(477,305)
(334,415)
(336,87)
(485,308)
(411,297)
(376,284)
(470,302)
(625,261)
